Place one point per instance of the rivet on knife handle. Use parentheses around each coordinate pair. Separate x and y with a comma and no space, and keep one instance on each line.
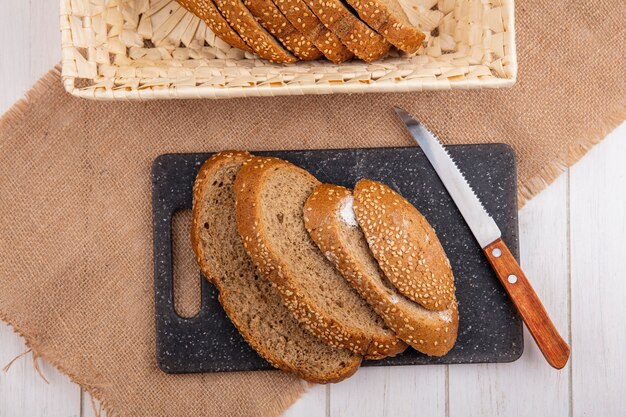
(510,274)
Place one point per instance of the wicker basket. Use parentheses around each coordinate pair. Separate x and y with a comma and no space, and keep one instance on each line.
(155,49)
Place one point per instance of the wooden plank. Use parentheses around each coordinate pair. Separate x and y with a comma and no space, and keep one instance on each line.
(598,230)
(391,391)
(45,37)
(24,393)
(15,61)
(312,404)
(528,386)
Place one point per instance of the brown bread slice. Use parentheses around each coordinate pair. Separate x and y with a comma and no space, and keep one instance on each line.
(303,19)
(389,19)
(331,222)
(254,307)
(272,19)
(251,31)
(206,10)
(359,38)
(405,245)
(270,194)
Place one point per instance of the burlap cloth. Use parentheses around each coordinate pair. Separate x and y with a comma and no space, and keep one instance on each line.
(76,254)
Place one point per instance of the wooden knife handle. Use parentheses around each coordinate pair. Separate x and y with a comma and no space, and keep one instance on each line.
(550,342)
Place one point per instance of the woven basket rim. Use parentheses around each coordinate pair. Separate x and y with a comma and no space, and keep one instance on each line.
(214,92)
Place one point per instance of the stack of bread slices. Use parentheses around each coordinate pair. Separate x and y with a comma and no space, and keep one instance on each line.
(316,276)
(286,31)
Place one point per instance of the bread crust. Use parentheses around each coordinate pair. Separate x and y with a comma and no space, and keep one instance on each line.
(248,186)
(272,19)
(303,19)
(207,170)
(251,31)
(405,245)
(359,38)
(429,332)
(207,11)
(395,29)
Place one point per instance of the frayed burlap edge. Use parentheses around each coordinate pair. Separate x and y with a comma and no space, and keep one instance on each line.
(275,407)
(43,353)
(548,174)
(12,117)
(20,109)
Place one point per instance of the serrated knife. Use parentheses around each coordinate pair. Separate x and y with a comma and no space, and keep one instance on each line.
(488,235)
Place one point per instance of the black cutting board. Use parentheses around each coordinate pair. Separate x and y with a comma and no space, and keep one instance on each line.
(490,329)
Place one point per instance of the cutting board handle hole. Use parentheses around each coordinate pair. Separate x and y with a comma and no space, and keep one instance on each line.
(186,274)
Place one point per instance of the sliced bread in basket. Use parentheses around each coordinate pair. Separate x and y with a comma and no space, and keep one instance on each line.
(273,20)
(331,222)
(270,195)
(303,19)
(405,245)
(389,19)
(359,38)
(250,301)
(206,10)
(251,31)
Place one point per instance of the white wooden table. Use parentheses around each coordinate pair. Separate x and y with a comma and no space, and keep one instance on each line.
(573,242)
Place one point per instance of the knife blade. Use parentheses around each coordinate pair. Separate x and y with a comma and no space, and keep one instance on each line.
(486,231)
(480,222)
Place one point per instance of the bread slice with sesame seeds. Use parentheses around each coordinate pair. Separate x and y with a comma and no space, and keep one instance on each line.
(253,306)
(359,38)
(331,222)
(405,245)
(303,19)
(206,10)
(270,195)
(388,18)
(251,31)
(272,19)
